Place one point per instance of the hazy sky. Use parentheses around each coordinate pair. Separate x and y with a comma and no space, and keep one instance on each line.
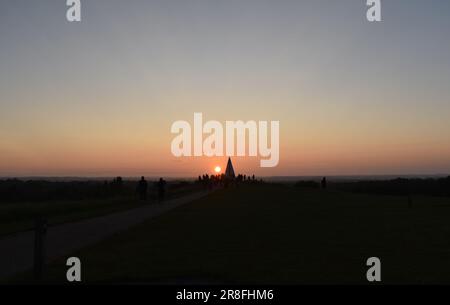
(98,97)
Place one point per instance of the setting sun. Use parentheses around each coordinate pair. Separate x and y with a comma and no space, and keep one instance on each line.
(217,169)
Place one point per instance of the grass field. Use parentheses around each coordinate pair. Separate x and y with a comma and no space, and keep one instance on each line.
(17,217)
(275,234)
(21,216)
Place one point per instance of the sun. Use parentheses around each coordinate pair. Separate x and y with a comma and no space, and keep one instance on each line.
(217,169)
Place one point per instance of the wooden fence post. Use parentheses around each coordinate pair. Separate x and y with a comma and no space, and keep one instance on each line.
(40,230)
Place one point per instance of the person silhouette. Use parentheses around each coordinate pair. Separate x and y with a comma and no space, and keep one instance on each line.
(161,189)
(142,188)
(324,183)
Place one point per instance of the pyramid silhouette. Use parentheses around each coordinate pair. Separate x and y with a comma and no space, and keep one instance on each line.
(229,172)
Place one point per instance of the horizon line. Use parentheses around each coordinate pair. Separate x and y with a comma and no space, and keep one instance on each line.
(172,177)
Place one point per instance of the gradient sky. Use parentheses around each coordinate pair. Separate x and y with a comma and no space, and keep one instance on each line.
(97,98)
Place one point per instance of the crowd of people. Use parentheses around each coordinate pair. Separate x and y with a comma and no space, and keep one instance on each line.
(211,181)
(207,181)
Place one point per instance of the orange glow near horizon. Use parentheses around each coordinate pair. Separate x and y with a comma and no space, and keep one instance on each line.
(108,111)
(217,169)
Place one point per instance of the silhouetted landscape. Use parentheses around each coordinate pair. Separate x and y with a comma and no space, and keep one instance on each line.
(24,201)
(399,186)
(248,231)
(220,145)
(18,190)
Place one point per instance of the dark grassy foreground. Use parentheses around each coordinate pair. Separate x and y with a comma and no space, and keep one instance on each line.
(21,216)
(273,234)
(17,217)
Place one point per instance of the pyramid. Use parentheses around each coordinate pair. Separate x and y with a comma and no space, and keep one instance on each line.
(229,172)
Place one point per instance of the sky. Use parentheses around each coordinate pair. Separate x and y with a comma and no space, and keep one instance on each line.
(98,97)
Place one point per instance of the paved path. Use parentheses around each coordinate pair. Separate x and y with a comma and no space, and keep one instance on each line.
(16,251)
